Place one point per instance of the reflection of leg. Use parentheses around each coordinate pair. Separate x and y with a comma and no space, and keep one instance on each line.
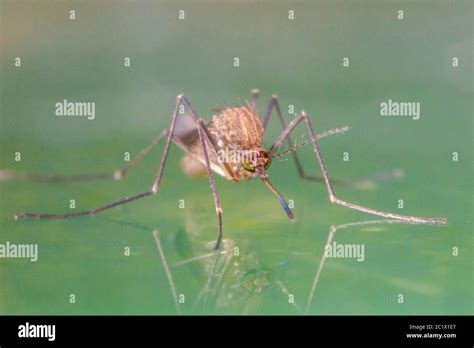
(220,262)
(287,293)
(156,235)
(332,232)
(205,291)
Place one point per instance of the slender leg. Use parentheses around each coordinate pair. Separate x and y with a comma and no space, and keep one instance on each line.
(121,172)
(203,136)
(274,103)
(208,135)
(156,235)
(117,174)
(94,211)
(332,232)
(215,271)
(332,197)
(156,183)
(212,182)
(253,99)
(287,293)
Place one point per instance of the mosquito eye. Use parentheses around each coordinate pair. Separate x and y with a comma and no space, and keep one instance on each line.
(269,161)
(264,155)
(248,166)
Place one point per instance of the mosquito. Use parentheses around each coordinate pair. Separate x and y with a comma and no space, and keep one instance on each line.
(236,128)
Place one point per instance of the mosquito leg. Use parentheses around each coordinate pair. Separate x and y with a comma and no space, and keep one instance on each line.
(212,182)
(287,293)
(81,213)
(154,189)
(204,135)
(253,99)
(332,231)
(331,234)
(362,183)
(204,294)
(332,197)
(117,174)
(208,135)
(156,235)
(6,174)
(121,172)
(274,103)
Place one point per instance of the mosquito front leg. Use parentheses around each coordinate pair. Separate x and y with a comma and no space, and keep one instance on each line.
(274,103)
(154,188)
(208,135)
(204,137)
(212,182)
(332,197)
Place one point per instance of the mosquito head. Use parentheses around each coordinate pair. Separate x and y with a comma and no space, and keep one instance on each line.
(257,162)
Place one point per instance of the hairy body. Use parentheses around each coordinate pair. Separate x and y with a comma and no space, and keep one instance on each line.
(234,131)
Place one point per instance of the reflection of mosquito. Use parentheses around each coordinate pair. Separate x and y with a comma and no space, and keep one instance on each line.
(226,284)
(235,282)
(231,283)
(331,234)
(237,128)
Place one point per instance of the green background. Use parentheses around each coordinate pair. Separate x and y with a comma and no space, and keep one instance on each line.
(301,61)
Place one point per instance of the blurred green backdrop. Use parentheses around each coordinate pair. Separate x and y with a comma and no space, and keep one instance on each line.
(301,61)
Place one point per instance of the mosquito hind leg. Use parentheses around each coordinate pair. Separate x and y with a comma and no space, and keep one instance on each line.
(205,138)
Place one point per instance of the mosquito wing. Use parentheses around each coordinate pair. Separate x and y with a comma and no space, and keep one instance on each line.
(186,136)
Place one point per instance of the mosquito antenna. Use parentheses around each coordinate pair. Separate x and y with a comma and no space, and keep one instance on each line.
(291,149)
(325,134)
(285,206)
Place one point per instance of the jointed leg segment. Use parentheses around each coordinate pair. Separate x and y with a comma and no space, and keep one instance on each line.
(275,104)
(203,136)
(153,190)
(332,197)
(117,174)
(203,133)
(205,141)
